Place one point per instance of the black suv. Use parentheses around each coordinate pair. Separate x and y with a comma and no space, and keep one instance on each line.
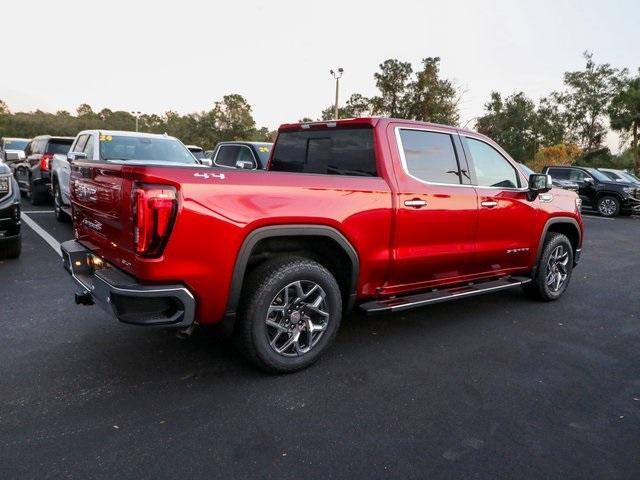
(34,172)
(598,191)
(10,243)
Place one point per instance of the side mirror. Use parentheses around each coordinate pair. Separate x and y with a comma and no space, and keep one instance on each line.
(206,161)
(245,165)
(11,157)
(71,156)
(588,180)
(539,183)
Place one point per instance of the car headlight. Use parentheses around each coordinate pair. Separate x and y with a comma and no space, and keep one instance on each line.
(628,190)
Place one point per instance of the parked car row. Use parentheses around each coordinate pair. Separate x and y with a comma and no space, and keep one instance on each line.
(41,165)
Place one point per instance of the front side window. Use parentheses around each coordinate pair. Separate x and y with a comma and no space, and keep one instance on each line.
(430,156)
(80,144)
(345,151)
(228,155)
(121,147)
(491,168)
(88,148)
(578,176)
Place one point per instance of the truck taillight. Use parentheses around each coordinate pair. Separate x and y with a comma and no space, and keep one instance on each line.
(154,210)
(45,162)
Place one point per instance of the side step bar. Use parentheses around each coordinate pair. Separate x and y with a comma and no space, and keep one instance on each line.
(397,304)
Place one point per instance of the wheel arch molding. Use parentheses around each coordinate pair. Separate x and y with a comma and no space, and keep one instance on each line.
(303,233)
(565,225)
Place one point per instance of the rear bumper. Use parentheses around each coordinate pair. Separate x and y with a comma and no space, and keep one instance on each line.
(122,296)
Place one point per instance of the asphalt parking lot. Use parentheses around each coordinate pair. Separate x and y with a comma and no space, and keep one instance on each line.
(489,387)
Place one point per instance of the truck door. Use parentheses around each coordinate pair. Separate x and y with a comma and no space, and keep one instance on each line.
(506,217)
(436,209)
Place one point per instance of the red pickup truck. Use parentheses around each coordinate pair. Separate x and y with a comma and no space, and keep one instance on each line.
(384,213)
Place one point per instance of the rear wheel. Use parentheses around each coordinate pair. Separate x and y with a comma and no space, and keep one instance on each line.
(61,215)
(554,269)
(608,206)
(289,314)
(11,248)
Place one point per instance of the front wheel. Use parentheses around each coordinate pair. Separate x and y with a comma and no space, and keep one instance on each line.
(609,206)
(289,314)
(554,269)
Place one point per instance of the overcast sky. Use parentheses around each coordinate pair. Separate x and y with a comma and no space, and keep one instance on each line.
(183,55)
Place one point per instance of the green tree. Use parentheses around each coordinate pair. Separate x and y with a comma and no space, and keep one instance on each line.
(520,126)
(624,113)
(393,82)
(4,109)
(432,98)
(356,106)
(586,99)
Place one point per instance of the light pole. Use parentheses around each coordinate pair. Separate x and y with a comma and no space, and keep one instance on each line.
(337,76)
(137,115)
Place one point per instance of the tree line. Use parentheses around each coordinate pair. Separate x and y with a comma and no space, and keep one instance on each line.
(566,126)
(230,119)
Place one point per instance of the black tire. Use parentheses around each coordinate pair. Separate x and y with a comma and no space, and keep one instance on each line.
(539,287)
(12,248)
(264,286)
(60,214)
(608,206)
(39,195)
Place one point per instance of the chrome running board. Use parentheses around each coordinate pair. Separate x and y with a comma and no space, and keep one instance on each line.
(397,304)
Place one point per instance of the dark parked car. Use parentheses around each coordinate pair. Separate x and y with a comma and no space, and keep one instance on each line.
(33,174)
(564,184)
(10,242)
(597,191)
(246,155)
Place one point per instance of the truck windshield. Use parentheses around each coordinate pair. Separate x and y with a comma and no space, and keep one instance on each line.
(598,175)
(120,147)
(11,144)
(264,149)
(330,152)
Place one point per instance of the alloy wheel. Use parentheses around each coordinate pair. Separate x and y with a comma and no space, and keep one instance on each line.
(297,318)
(607,207)
(557,268)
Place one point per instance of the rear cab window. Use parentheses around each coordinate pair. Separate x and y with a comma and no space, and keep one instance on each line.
(331,151)
(59,145)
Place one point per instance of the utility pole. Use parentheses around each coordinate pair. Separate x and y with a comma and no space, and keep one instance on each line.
(337,76)
(137,115)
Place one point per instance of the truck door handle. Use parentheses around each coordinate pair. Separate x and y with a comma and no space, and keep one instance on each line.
(415,203)
(489,203)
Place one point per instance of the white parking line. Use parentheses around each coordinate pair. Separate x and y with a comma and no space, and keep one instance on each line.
(43,233)
(588,215)
(38,211)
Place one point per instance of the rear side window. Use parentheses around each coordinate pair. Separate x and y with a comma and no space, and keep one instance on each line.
(559,173)
(328,152)
(59,146)
(430,156)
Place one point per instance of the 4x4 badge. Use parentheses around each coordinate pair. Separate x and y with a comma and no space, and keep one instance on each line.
(207,176)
